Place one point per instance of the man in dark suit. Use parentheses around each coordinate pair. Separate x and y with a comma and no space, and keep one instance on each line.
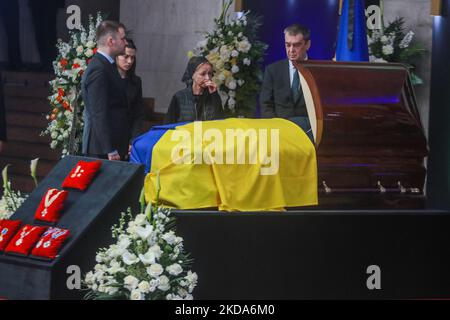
(106,127)
(281,93)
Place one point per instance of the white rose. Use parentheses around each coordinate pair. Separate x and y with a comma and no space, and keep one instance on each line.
(130,282)
(129,258)
(90,44)
(140,219)
(154,283)
(156,251)
(388,49)
(235,69)
(240,82)
(155,270)
(136,295)
(169,237)
(234,53)
(244,46)
(148,258)
(54,135)
(163,283)
(144,232)
(144,286)
(231,103)
(247,61)
(174,269)
(231,85)
(191,277)
(89,53)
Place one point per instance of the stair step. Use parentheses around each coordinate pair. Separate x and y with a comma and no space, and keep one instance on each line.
(27,104)
(26,119)
(34,78)
(30,151)
(22,166)
(26,134)
(26,84)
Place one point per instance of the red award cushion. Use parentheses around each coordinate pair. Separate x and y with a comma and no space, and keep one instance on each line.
(50,243)
(51,205)
(81,176)
(8,229)
(25,239)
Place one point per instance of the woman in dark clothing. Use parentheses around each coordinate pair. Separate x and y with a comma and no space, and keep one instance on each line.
(126,65)
(199,100)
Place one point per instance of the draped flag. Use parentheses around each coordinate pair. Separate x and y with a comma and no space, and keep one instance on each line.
(352,35)
(272,167)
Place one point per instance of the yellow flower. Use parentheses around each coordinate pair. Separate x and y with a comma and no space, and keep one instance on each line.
(190,54)
(233,61)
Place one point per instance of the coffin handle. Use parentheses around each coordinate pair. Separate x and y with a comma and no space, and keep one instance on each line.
(381,188)
(402,188)
(327,188)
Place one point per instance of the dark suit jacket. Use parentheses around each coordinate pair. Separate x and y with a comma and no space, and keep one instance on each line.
(106,123)
(135,105)
(276,97)
(2,112)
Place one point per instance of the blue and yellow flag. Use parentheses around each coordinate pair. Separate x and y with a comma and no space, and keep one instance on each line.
(234,165)
(352,35)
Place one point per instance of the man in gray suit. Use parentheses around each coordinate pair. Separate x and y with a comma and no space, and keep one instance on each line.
(106,128)
(281,93)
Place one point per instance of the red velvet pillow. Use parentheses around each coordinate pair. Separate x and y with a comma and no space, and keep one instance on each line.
(81,176)
(8,229)
(50,243)
(25,239)
(51,205)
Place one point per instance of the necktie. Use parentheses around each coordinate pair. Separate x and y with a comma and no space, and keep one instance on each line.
(295,89)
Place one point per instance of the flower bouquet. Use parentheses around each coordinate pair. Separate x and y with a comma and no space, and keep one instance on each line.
(147,262)
(11,200)
(394,44)
(72,60)
(236,54)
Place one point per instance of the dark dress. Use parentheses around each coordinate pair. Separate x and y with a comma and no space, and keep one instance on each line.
(133,86)
(185,106)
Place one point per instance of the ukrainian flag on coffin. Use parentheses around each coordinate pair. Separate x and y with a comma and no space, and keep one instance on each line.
(232,164)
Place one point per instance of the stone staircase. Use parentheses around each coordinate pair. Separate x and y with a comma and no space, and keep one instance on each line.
(26,106)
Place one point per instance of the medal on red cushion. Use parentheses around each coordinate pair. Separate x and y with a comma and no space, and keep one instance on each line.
(51,205)
(50,243)
(25,239)
(81,176)
(8,229)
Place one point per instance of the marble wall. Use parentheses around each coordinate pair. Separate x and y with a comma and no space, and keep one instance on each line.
(164,31)
(418,19)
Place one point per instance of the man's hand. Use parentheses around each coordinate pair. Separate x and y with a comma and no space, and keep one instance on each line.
(115,157)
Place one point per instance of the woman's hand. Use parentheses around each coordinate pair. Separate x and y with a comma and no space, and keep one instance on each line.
(212,87)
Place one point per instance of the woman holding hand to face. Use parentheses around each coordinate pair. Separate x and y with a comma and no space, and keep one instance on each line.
(199,101)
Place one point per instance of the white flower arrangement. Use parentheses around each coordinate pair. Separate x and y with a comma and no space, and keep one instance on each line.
(235,53)
(69,66)
(11,200)
(393,44)
(147,262)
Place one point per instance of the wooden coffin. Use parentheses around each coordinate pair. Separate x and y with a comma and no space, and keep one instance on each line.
(369,139)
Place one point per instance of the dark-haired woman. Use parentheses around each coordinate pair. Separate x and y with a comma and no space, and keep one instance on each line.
(126,65)
(199,101)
